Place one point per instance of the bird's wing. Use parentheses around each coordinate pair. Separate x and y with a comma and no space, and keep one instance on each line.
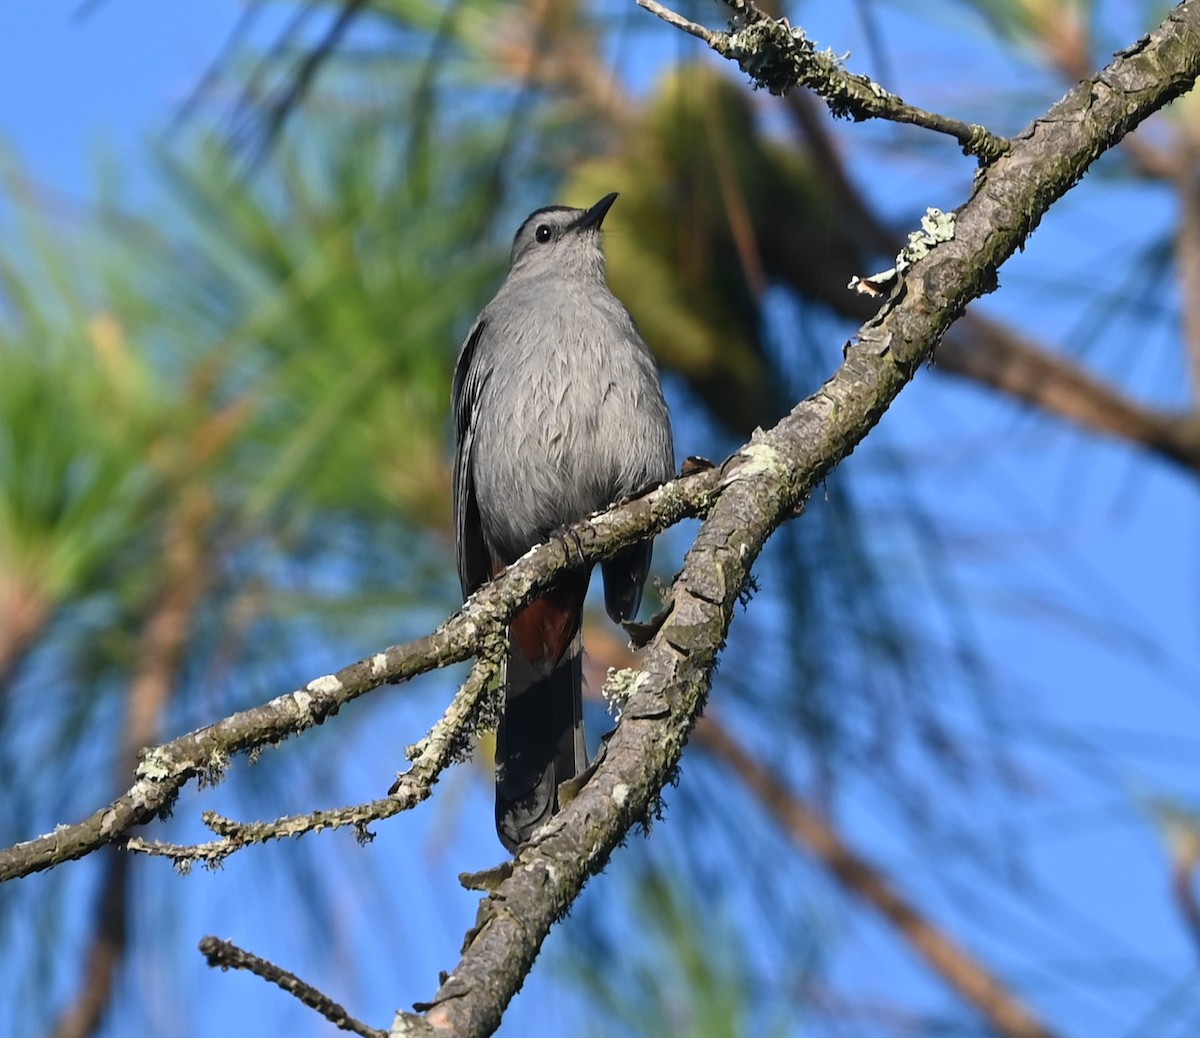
(473,563)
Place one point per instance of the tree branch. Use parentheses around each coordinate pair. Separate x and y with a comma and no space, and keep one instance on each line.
(764,484)
(226,956)
(995,355)
(990,354)
(478,629)
(161,648)
(1187,254)
(447,742)
(977,985)
(778,57)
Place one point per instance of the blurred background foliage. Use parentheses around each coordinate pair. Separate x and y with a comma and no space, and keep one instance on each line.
(223,470)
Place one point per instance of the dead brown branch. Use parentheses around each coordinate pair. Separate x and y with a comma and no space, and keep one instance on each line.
(779,57)
(973,981)
(228,956)
(161,648)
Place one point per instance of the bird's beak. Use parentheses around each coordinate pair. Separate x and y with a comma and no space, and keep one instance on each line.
(594,217)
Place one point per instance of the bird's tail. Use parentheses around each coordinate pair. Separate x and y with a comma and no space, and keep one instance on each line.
(540,740)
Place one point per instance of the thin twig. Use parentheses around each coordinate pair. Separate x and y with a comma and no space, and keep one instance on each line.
(778,57)
(236,836)
(448,741)
(478,629)
(712,38)
(228,956)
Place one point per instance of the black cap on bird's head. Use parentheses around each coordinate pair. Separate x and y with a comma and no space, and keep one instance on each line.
(546,236)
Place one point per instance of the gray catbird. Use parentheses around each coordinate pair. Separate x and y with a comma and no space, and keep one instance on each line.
(558,412)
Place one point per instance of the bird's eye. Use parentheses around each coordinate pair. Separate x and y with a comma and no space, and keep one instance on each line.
(542,234)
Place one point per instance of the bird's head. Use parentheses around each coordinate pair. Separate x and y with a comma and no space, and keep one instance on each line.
(561,241)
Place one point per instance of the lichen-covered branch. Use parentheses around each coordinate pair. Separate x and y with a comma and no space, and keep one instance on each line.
(228,956)
(448,742)
(476,630)
(778,57)
(992,353)
(761,487)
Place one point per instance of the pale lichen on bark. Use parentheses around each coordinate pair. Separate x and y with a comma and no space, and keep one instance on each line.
(958,259)
(745,501)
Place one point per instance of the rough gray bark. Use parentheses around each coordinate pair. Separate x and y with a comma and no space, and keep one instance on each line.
(764,484)
(476,630)
(745,500)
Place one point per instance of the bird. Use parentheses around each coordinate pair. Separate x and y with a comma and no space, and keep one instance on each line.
(558,412)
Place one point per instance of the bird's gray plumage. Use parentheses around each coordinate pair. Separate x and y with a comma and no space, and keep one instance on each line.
(558,413)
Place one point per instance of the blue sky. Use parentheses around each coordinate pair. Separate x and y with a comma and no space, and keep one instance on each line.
(83,86)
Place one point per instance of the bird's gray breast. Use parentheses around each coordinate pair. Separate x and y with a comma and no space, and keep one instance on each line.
(569,417)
